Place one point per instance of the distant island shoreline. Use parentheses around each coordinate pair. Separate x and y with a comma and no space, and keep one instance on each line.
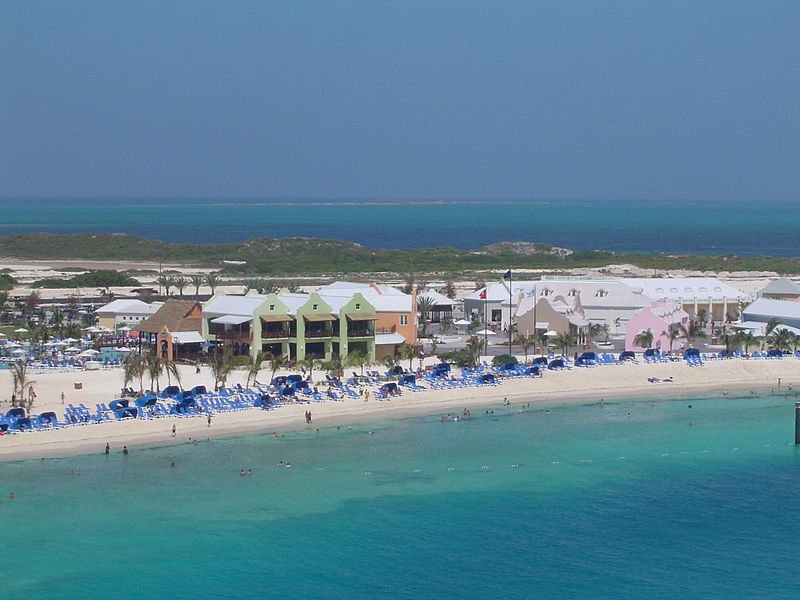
(314,256)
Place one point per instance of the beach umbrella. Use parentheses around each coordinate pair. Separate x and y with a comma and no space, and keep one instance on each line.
(72,350)
(124,349)
(125,328)
(2,334)
(461,322)
(89,352)
(21,330)
(551,333)
(485,332)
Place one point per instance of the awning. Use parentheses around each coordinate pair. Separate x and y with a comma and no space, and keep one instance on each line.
(231,320)
(382,339)
(362,317)
(276,318)
(319,317)
(187,337)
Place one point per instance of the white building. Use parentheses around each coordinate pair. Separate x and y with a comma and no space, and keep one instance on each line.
(125,312)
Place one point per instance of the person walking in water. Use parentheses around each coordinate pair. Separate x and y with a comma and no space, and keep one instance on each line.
(108,448)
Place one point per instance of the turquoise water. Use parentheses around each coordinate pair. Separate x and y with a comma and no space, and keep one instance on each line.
(638,499)
(621,225)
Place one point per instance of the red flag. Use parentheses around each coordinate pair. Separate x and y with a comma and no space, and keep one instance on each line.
(483,294)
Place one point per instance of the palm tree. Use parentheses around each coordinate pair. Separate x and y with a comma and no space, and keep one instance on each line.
(389,361)
(474,346)
(172,371)
(309,364)
(212,281)
(770,330)
(424,306)
(275,362)
(356,358)
(782,339)
(254,366)
(748,340)
(155,368)
(165,281)
(595,330)
(692,331)
(408,351)
(564,341)
(57,320)
(134,367)
(197,280)
(702,316)
(644,339)
(673,333)
(727,337)
(334,366)
(19,375)
(526,341)
(221,366)
(180,282)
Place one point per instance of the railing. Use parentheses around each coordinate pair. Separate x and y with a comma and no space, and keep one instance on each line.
(274,334)
(320,333)
(359,332)
(392,329)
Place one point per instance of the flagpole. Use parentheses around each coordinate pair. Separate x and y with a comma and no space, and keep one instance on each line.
(510,279)
(485,321)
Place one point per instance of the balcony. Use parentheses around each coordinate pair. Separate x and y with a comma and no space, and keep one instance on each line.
(318,333)
(275,334)
(356,332)
(386,330)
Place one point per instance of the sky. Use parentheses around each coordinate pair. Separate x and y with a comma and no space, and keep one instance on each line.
(400,99)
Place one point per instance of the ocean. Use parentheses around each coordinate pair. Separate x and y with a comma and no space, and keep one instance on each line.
(649,498)
(696,227)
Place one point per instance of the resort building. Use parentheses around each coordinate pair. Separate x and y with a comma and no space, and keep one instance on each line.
(719,300)
(441,307)
(174,329)
(125,312)
(781,289)
(759,313)
(556,315)
(611,302)
(334,321)
(660,318)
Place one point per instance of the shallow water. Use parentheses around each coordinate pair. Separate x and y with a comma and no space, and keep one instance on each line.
(645,498)
(700,227)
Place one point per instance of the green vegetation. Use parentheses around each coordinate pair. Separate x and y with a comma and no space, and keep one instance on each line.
(100,279)
(307,256)
(6,281)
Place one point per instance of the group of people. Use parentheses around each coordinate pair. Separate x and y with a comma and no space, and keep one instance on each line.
(308,417)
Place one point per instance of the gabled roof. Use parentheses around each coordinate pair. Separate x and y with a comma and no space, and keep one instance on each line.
(130,306)
(225,304)
(436,298)
(782,286)
(779,309)
(174,315)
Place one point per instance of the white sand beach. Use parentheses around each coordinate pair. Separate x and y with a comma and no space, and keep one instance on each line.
(576,385)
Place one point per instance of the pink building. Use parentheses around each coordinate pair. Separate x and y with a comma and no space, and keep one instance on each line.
(659,318)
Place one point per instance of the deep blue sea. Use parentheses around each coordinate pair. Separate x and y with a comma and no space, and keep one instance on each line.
(704,227)
(640,499)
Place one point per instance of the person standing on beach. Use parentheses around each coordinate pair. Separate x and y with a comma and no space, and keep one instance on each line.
(209,419)
(63,397)
(174,431)
(32,394)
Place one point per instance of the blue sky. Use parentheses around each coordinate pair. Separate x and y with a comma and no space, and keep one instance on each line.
(400,99)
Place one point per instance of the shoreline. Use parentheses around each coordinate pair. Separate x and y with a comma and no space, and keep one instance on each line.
(575,386)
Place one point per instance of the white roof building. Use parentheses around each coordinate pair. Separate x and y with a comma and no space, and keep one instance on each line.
(764,309)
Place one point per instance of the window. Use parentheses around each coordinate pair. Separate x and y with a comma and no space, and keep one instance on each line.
(601,293)
(403,319)
(314,307)
(546,292)
(272,307)
(573,292)
(358,307)
(673,290)
(659,290)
